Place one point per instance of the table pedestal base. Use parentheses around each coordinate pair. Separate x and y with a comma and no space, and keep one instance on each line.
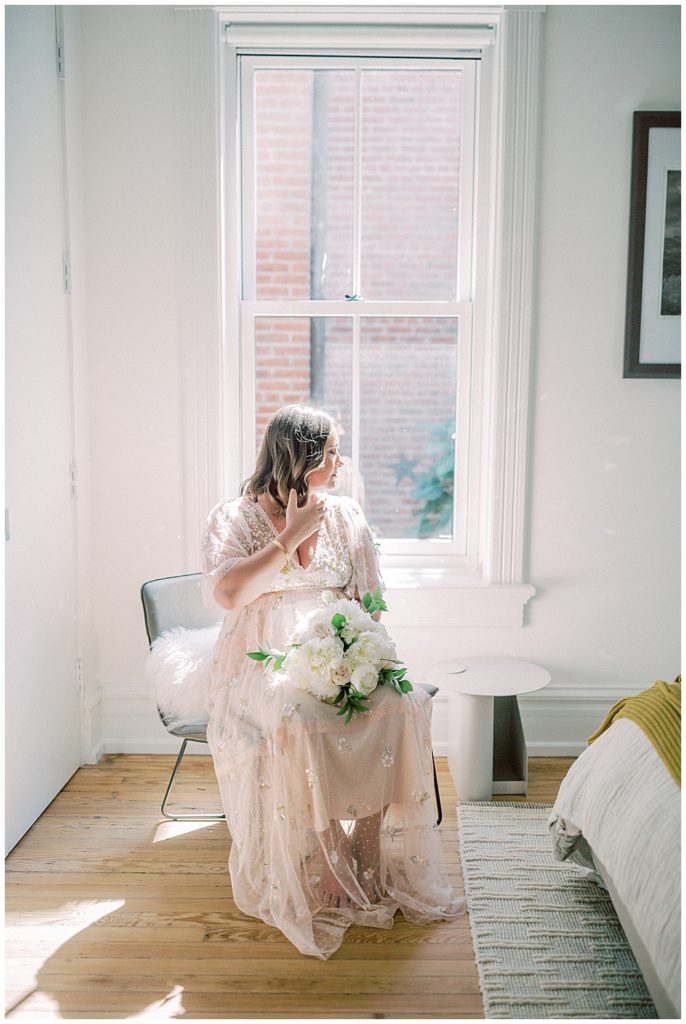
(487,751)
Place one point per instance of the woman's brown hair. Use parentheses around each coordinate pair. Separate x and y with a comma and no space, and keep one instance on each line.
(292,446)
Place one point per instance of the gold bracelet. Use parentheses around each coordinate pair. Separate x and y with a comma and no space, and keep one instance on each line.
(286,552)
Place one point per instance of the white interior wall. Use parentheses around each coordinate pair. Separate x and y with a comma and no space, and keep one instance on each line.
(604,496)
(604,523)
(605,482)
(130,216)
(42,705)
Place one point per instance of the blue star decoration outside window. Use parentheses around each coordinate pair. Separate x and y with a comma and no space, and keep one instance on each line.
(404,468)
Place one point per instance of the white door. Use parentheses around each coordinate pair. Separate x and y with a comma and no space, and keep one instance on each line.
(43,742)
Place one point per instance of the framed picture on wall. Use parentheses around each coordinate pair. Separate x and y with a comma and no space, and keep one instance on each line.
(653,305)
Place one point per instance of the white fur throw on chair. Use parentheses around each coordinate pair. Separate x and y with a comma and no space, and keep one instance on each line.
(178,667)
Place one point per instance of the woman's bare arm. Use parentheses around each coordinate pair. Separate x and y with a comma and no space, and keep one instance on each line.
(250,577)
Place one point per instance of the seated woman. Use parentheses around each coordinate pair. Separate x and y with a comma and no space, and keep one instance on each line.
(331,824)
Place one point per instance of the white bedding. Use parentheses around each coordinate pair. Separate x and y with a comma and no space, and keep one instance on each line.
(620,806)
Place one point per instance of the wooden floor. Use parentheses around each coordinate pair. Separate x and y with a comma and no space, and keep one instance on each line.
(112,912)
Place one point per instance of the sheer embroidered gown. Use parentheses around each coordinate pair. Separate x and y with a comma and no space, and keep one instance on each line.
(331,824)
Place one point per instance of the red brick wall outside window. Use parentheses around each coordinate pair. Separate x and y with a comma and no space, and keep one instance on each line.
(409,199)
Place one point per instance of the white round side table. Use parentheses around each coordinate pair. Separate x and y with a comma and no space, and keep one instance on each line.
(487,751)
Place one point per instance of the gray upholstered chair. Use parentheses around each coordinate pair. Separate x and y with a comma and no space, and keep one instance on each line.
(167,604)
(176,601)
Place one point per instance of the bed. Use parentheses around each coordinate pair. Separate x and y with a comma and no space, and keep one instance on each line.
(617,814)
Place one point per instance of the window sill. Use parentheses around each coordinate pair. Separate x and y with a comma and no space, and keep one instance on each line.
(435,597)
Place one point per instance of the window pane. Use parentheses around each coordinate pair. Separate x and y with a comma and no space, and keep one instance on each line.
(407,440)
(309,360)
(410,183)
(304,136)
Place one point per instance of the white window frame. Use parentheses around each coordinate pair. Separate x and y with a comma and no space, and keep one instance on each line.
(431,553)
(492,589)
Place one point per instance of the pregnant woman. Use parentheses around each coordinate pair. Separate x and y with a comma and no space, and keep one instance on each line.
(331,824)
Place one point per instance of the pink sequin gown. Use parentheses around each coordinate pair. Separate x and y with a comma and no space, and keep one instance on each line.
(306,797)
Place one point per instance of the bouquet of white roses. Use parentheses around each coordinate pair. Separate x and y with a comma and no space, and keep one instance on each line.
(340,654)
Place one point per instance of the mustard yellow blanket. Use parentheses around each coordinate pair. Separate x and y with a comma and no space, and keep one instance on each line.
(657,711)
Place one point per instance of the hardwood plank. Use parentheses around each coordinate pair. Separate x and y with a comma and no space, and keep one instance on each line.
(457,954)
(261,985)
(216,964)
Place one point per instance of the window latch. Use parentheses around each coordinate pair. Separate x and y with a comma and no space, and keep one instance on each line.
(354,298)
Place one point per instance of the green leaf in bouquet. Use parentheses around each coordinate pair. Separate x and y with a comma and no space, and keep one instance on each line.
(353,703)
(259,655)
(406,686)
(278,662)
(338,621)
(374,602)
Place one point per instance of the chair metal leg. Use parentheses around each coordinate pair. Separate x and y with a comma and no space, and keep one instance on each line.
(185,817)
(439,809)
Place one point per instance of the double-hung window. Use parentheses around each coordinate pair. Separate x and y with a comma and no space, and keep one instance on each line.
(357,217)
(374,217)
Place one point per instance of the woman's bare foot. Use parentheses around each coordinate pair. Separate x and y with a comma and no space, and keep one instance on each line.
(332,891)
(369,878)
(367,854)
(336,869)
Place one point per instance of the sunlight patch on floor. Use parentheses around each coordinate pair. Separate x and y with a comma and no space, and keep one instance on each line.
(32,937)
(172,829)
(75,915)
(170,1006)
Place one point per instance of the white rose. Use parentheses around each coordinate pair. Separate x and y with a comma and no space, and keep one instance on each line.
(359,619)
(387,649)
(316,623)
(339,671)
(309,667)
(364,679)
(350,609)
(379,632)
(296,669)
(324,689)
(320,630)
(349,632)
(322,651)
(362,652)
(373,649)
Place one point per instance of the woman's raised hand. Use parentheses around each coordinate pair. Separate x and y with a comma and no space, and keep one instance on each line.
(303,522)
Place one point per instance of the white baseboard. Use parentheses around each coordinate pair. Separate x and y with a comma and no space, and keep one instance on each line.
(557,723)
(542,749)
(170,745)
(94,753)
(92,745)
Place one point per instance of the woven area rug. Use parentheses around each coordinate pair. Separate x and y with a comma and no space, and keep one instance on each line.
(547,939)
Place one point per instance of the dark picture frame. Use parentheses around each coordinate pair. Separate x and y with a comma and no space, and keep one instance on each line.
(652,261)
